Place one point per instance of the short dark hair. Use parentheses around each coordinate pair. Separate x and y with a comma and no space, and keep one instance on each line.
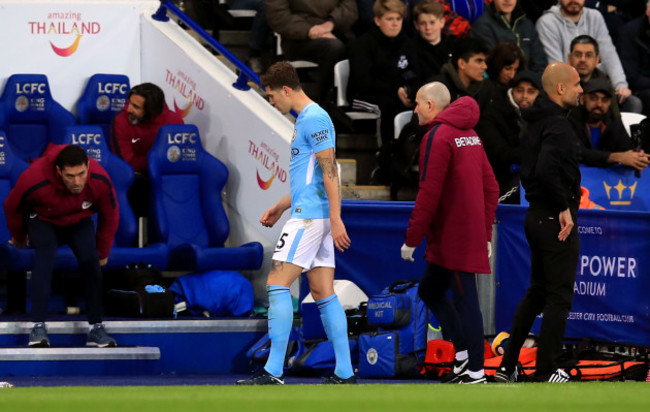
(585,39)
(466,48)
(281,74)
(154,99)
(71,155)
(502,55)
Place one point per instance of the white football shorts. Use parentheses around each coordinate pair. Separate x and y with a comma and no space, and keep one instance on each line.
(306,243)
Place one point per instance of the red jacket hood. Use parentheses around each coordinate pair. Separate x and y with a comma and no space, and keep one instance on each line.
(462,114)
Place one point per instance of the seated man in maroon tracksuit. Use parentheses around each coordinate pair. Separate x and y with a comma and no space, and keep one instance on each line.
(52,204)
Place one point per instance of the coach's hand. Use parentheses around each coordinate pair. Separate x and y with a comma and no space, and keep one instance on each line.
(566,224)
(407,253)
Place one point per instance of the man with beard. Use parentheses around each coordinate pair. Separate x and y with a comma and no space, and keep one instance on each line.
(565,21)
(134,131)
(584,55)
(602,134)
(550,174)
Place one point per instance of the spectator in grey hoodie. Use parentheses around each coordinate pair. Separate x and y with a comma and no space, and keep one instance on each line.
(569,19)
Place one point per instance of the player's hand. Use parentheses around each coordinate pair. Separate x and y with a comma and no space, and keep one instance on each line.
(340,235)
(102,262)
(271,216)
(489,247)
(566,224)
(407,253)
(19,244)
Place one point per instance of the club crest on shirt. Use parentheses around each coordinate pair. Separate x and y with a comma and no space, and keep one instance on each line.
(403,62)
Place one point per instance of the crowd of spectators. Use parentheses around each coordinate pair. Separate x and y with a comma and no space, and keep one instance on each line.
(479,49)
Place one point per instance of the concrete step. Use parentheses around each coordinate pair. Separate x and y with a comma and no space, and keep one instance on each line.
(234,37)
(365,192)
(363,149)
(145,347)
(348,172)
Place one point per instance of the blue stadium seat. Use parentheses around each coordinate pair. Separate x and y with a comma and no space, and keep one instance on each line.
(104,96)
(186,211)
(11,258)
(93,141)
(29,115)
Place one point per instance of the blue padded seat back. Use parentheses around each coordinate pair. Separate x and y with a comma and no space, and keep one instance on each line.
(104,96)
(186,187)
(92,139)
(31,117)
(10,169)
(180,198)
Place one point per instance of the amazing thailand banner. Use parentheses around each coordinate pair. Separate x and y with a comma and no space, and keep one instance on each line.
(612,284)
(69,42)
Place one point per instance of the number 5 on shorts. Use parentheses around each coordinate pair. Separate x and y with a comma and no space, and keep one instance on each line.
(281,241)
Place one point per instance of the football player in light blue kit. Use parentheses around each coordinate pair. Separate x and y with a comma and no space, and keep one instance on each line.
(308,239)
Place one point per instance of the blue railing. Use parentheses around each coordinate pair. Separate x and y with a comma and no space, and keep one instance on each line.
(245,73)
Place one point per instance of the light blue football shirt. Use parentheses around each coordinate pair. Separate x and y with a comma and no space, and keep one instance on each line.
(313,132)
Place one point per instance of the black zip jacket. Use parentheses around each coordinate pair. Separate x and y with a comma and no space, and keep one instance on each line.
(550,171)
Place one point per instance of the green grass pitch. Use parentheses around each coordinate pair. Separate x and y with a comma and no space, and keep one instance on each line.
(525,397)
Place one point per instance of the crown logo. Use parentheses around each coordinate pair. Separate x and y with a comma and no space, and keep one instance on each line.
(620,189)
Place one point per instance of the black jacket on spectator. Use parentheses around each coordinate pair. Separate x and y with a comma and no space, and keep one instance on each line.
(634,51)
(613,138)
(449,77)
(492,27)
(379,65)
(550,170)
(430,57)
(499,128)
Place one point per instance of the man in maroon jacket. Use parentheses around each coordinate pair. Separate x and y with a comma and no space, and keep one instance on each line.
(454,210)
(52,204)
(134,131)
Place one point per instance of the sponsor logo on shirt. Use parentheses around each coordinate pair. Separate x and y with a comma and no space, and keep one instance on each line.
(320,136)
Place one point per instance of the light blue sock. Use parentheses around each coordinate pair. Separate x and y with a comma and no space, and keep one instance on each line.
(280,321)
(336,326)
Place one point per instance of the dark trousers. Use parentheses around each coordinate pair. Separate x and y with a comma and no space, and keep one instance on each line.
(45,239)
(138,195)
(461,320)
(553,272)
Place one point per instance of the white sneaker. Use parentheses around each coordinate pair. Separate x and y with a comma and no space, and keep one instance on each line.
(559,376)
